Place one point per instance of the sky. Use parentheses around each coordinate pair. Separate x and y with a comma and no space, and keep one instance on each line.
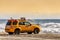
(34,9)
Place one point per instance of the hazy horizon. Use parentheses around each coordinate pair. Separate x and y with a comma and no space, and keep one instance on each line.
(35,9)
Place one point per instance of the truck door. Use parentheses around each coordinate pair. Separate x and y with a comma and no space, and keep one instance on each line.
(22,26)
(28,26)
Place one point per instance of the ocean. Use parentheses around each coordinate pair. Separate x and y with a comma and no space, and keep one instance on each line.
(47,25)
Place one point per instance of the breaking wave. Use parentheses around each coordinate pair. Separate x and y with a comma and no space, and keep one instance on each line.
(50,27)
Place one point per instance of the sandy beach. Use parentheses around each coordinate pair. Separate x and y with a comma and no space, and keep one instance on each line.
(24,36)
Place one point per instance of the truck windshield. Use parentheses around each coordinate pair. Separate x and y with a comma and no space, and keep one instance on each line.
(8,23)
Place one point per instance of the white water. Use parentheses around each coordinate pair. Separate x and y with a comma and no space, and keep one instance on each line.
(2,27)
(51,27)
(46,27)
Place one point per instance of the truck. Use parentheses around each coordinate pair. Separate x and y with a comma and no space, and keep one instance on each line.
(17,26)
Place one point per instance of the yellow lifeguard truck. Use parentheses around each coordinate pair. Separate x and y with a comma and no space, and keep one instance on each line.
(17,26)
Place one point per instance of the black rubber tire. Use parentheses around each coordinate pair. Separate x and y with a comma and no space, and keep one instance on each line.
(36,31)
(10,33)
(29,32)
(17,31)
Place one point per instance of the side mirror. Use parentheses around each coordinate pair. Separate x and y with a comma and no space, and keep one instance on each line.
(30,24)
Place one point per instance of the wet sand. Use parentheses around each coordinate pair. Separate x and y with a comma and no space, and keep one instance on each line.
(24,36)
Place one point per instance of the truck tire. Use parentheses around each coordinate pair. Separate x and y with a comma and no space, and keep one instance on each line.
(17,31)
(36,31)
(10,33)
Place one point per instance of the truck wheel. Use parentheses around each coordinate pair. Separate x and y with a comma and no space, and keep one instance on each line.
(17,31)
(29,32)
(10,33)
(36,31)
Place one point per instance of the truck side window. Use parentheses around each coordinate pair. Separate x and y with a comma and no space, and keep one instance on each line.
(14,23)
(21,23)
(27,23)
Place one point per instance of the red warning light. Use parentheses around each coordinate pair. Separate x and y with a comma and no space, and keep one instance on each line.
(15,20)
